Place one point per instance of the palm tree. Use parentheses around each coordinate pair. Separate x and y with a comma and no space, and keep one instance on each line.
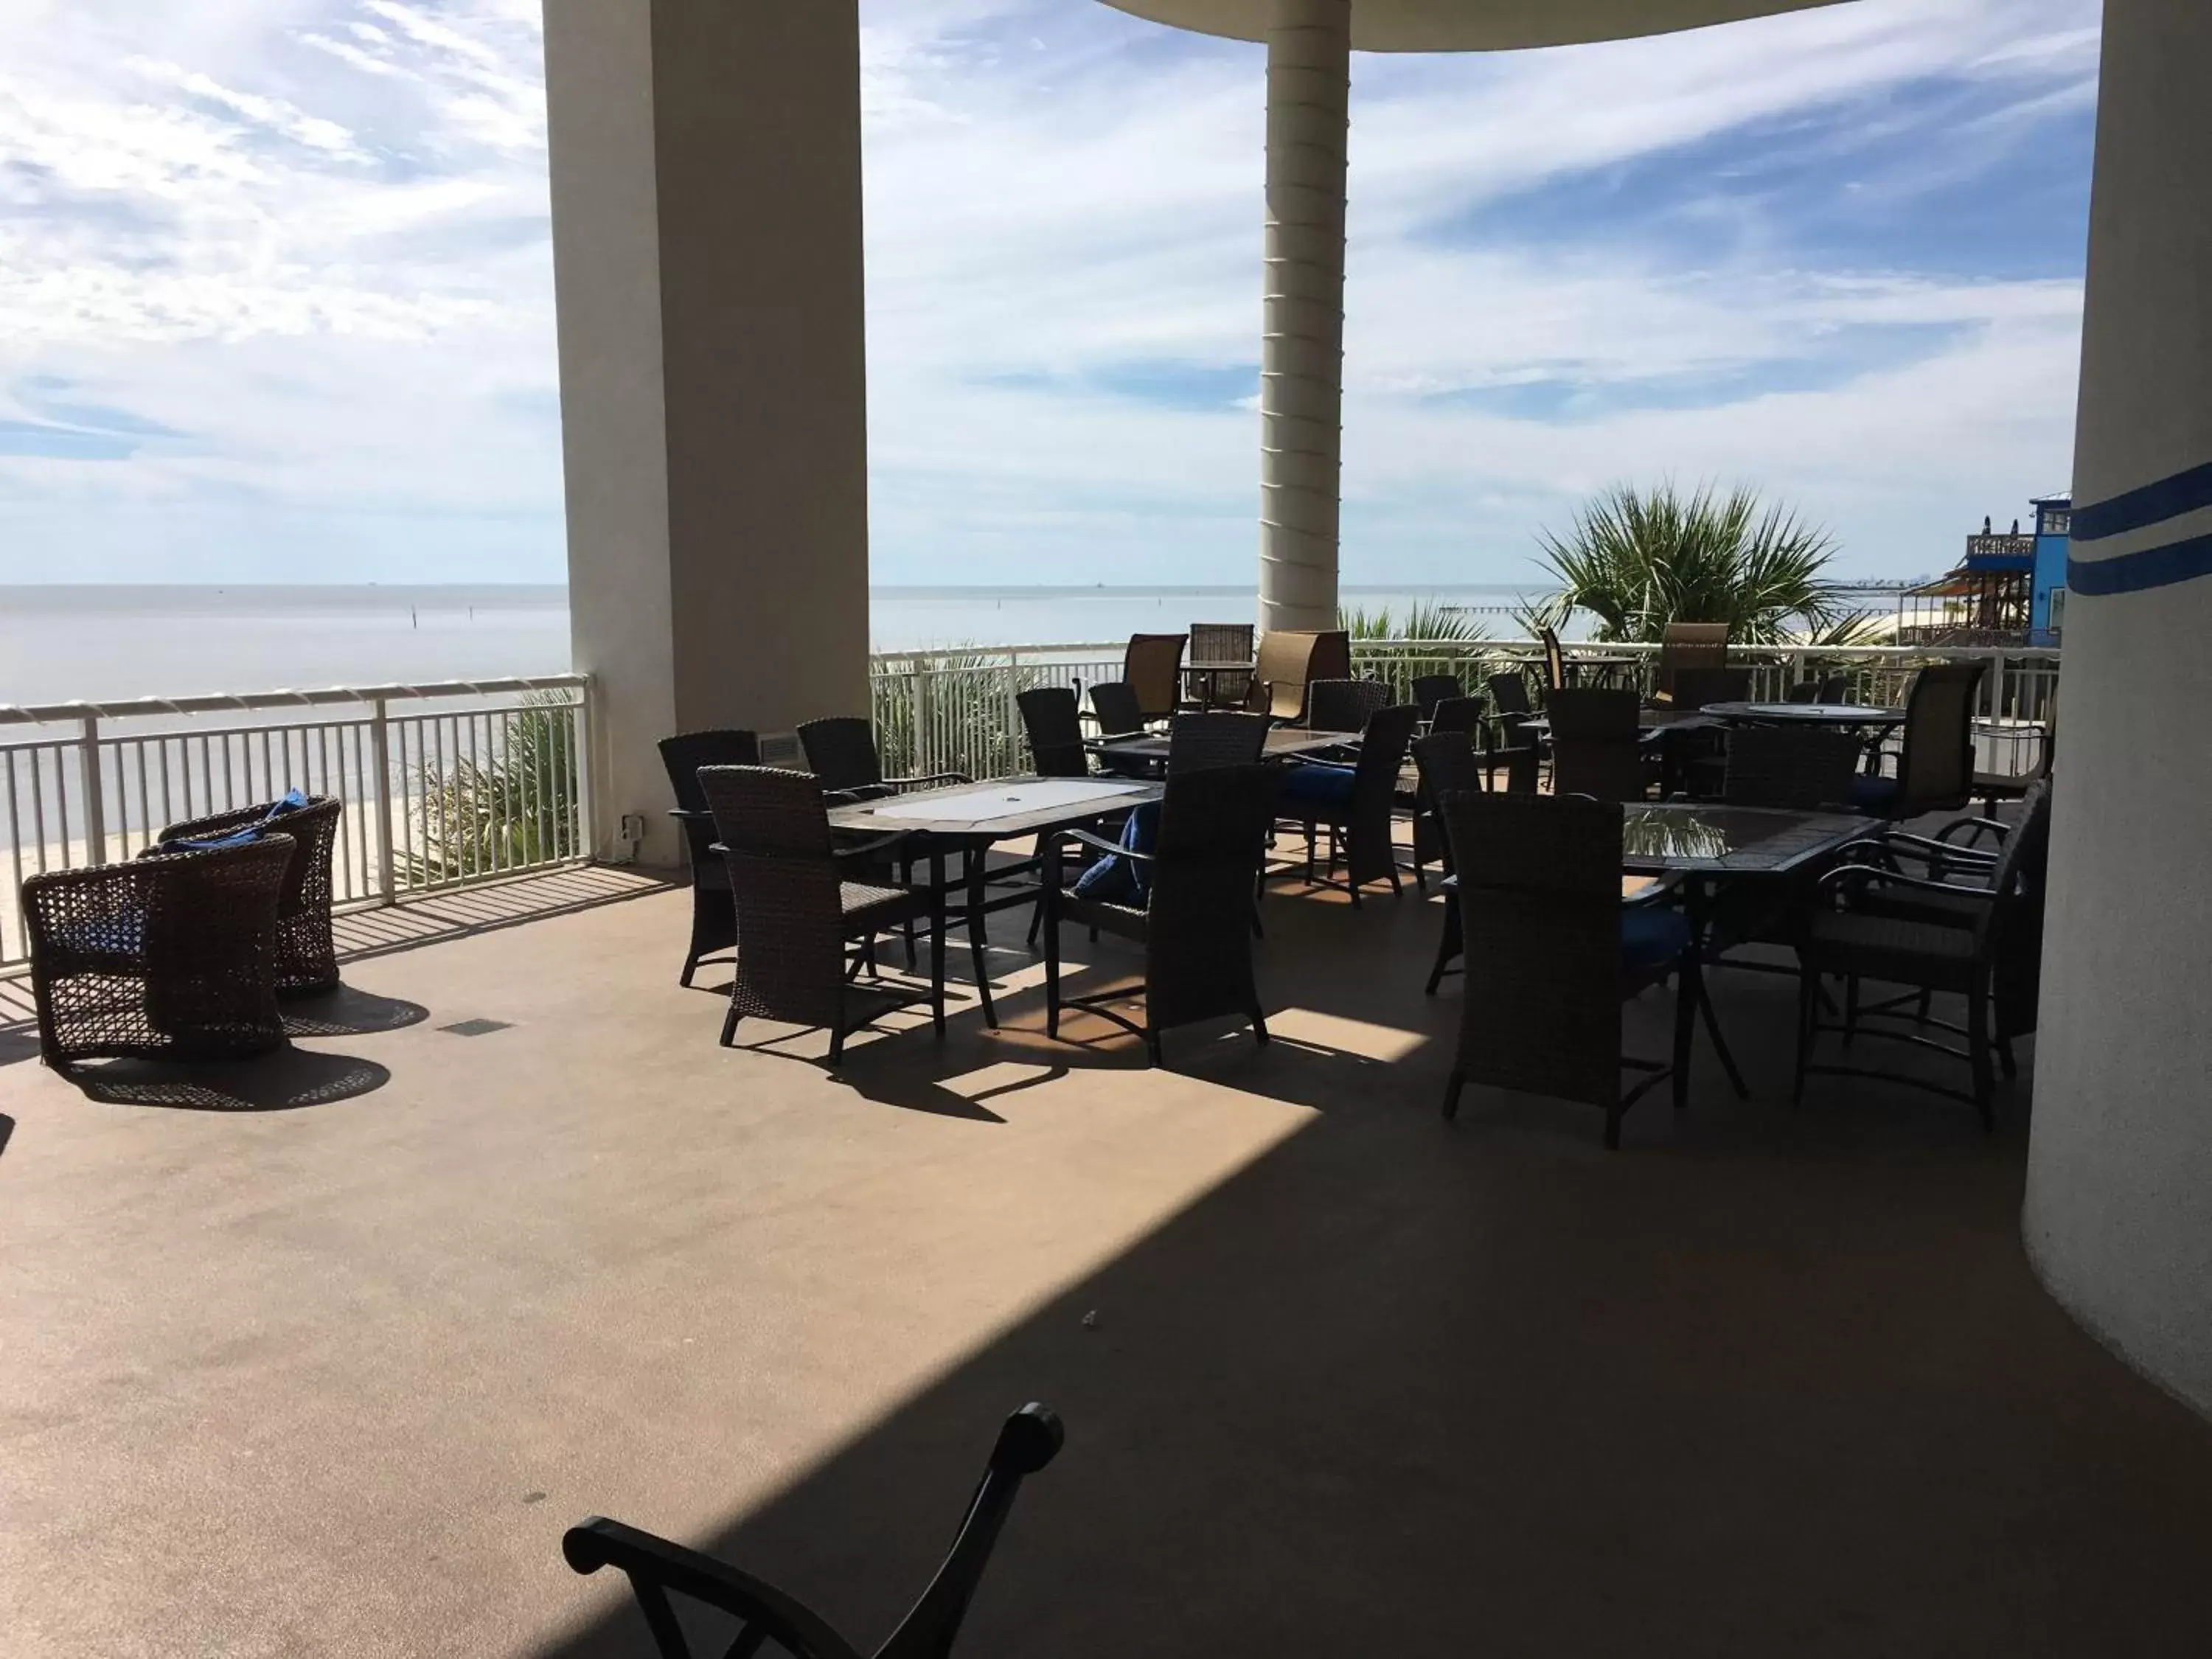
(1638,560)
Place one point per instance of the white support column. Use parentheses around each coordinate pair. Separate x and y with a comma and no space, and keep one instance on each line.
(2119,1194)
(706,174)
(1302,345)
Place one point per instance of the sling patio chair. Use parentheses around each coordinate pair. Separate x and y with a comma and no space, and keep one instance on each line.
(713,918)
(1935,767)
(169,955)
(1186,891)
(1290,660)
(1152,667)
(1553,952)
(768,1621)
(801,902)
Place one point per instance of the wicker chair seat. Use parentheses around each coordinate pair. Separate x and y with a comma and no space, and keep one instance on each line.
(865,902)
(1941,909)
(1123,921)
(1865,945)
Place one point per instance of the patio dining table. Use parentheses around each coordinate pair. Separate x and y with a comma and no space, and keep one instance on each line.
(1283,742)
(970,818)
(1823,717)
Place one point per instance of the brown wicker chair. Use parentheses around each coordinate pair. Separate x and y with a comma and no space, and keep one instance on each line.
(1357,813)
(171,956)
(798,906)
(1054,722)
(1935,770)
(1982,940)
(1789,766)
(1153,668)
(1553,953)
(841,753)
(1215,737)
(307,955)
(1197,920)
(1345,705)
(1689,646)
(1597,744)
(1447,763)
(713,919)
(1221,642)
(1289,661)
(1693,687)
(1431,689)
(771,1621)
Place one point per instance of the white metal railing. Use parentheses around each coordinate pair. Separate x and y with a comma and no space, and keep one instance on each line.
(954,710)
(444,785)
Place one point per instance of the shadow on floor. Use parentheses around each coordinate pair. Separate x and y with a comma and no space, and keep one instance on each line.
(363,935)
(346,1012)
(286,1081)
(7,1130)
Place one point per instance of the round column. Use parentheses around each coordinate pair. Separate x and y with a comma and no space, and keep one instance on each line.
(2118,1217)
(1302,343)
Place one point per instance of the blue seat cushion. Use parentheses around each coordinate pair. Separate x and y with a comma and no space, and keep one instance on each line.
(1652,938)
(1873,793)
(245,835)
(1120,880)
(120,934)
(1314,783)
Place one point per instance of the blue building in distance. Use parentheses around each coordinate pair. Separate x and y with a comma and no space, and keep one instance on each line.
(2054,518)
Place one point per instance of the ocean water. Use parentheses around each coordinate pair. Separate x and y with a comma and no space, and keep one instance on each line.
(105,644)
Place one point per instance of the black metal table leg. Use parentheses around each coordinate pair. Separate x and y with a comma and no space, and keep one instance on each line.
(1697,903)
(979,928)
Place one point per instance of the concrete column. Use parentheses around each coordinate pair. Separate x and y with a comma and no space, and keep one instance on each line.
(1302,345)
(706,170)
(2119,1195)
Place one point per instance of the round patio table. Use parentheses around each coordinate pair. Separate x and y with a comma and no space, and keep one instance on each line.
(1837,716)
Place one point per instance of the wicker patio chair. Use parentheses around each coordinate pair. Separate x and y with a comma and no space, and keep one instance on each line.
(1597,744)
(1153,668)
(713,918)
(1981,941)
(1054,722)
(1354,803)
(771,1621)
(1790,767)
(171,956)
(1344,705)
(1217,737)
(841,753)
(1689,645)
(1196,916)
(307,955)
(1553,953)
(1935,768)
(1222,642)
(1446,763)
(1458,714)
(799,905)
(1693,687)
(1431,689)
(1114,706)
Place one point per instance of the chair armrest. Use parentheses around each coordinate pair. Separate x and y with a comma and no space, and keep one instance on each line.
(654,1565)
(873,844)
(1059,836)
(1836,878)
(1938,850)
(691,814)
(1972,827)
(927,779)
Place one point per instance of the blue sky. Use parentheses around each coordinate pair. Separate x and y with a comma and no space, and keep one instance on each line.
(275,288)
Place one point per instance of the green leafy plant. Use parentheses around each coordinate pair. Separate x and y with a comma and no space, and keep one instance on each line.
(514,807)
(1423,621)
(952,710)
(1636,560)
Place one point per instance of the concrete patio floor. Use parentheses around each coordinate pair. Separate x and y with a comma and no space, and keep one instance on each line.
(326,1367)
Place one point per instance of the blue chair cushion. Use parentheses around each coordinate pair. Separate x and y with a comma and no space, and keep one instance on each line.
(121,934)
(1652,938)
(1873,793)
(293,801)
(1314,783)
(1119,880)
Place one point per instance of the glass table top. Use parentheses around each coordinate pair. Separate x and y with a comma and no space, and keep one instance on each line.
(1730,839)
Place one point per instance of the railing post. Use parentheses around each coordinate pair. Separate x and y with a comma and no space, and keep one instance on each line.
(924,710)
(380,740)
(586,781)
(95,806)
(1011,748)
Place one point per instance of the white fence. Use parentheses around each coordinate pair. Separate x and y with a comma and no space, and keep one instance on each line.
(444,785)
(955,710)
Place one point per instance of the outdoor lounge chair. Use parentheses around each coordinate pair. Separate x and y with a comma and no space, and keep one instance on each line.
(1189,900)
(714,921)
(801,902)
(663,1574)
(307,955)
(170,956)
(1554,953)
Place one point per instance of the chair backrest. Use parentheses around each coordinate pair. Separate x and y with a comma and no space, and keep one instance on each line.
(1446,762)
(1430,689)
(1790,767)
(1152,669)
(1936,771)
(1833,688)
(1198,913)
(1054,723)
(2011,928)
(1115,705)
(775,828)
(1221,642)
(1595,748)
(841,753)
(1344,705)
(1290,660)
(1457,714)
(1690,645)
(1216,737)
(1555,659)
(1509,693)
(209,937)
(683,755)
(1803,691)
(1539,907)
(1382,747)
(657,1569)
(1693,687)
(1332,656)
